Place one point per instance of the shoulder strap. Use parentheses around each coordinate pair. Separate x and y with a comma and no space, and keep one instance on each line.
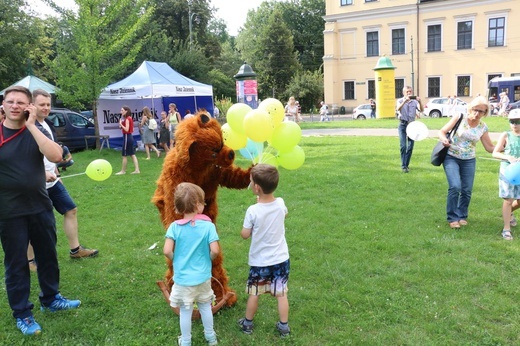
(454,129)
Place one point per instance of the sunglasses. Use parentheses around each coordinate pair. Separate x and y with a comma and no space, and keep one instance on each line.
(514,121)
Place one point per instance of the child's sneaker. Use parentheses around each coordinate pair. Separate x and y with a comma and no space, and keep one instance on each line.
(61,303)
(513,221)
(246,328)
(211,339)
(283,329)
(28,326)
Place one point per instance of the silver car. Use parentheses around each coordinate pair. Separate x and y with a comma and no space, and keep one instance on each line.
(441,107)
(362,112)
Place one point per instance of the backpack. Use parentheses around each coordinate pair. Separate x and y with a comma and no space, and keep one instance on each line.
(152,124)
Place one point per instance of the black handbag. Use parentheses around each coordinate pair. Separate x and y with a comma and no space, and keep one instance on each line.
(439,150)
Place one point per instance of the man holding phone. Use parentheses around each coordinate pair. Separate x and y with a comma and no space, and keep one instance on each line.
(407,106)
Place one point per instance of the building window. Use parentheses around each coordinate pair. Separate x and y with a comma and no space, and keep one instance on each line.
(373,43)
(434,87)
(463,85)
(346,2)
(398,41)
(399,85)
(370,0)
(464,34)
(372,89)
(496,32)
(348,88)
(434,38)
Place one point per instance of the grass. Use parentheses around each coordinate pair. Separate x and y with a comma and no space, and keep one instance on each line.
(373,261)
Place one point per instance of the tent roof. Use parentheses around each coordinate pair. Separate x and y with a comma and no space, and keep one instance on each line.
(32,83)
(155,79)
(156,73)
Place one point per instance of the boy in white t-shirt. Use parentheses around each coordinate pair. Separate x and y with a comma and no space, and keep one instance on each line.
(268,253)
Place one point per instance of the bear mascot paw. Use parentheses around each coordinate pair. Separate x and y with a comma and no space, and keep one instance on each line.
(199,157)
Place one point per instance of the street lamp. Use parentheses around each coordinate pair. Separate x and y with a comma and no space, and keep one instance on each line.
(190,20)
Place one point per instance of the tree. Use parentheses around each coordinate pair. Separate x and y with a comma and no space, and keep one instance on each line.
(18,35)
(95,45)
(307,88)
(278,61)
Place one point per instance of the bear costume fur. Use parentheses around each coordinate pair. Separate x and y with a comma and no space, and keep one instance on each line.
(199,157)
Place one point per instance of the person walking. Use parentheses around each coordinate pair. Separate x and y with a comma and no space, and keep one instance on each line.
(26,214)
(192,243)
(460,162)
(164,132)
(407,107)
(148,134)
(268,253)
(126,123)
(174,117)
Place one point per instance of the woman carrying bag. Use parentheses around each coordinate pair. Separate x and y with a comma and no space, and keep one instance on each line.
(460,162)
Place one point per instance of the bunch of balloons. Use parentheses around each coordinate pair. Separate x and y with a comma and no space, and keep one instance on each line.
(248,129)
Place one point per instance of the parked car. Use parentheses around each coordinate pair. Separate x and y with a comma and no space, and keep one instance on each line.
(71,128)
(440,107)
(362,112)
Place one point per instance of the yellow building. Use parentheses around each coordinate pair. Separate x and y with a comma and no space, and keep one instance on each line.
(439,47)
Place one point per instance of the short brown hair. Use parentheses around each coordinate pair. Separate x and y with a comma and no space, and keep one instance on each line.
(266,176)
(40,92)
(186,198)
(19,89)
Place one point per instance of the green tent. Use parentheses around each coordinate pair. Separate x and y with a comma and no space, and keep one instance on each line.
(32,83)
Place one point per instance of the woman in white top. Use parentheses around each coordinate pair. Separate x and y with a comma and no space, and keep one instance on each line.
(291,109)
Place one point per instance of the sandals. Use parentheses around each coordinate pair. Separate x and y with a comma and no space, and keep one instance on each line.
(454,224)
(507,235)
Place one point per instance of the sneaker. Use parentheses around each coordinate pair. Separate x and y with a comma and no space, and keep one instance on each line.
(211,339)
(28,326)
(246,328)
(283,329)
(61,303)
(84,252)
(513,221)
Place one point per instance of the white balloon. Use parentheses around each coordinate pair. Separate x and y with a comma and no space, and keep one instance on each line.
(417,131)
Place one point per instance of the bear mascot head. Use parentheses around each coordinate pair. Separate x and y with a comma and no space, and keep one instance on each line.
(199,157)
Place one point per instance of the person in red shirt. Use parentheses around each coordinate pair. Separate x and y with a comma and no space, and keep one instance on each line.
(127,126)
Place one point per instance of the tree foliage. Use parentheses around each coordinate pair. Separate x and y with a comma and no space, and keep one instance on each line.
(307,88)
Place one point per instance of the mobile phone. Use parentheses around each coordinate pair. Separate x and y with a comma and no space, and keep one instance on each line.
(413,97)
(26,114)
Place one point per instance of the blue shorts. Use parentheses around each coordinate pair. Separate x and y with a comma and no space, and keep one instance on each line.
(128,145)
(60,198)
(272,279)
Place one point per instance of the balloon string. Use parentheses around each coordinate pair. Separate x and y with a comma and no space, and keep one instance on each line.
(73,175)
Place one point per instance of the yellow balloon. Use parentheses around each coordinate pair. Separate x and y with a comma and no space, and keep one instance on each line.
(235,116)
(275,109)
(293,159)
(258,126)
(286,136)
(233,139)
(99,170)
(266,158)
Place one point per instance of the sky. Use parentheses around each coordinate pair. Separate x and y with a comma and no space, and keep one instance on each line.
(231,11)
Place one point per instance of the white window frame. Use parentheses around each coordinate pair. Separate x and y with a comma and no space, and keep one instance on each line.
(431,22)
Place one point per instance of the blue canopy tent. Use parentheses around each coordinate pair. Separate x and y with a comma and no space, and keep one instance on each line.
(155,85)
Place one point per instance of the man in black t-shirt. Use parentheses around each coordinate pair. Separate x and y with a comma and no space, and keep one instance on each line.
(26,213)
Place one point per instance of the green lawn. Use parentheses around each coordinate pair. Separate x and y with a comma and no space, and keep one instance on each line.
(373,261)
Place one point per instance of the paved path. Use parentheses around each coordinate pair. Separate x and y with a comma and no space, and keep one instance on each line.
(370,132)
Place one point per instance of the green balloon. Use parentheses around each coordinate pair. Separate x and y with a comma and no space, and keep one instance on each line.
(235,116)
(293,159)
(99,170)
(286,136)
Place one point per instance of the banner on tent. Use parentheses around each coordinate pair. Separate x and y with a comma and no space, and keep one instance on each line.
(109,114)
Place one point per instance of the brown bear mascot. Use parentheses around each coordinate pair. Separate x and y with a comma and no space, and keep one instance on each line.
(199,157)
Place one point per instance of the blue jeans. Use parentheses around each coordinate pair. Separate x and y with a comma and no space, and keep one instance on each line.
(460,175)
(406,145)
(15,234)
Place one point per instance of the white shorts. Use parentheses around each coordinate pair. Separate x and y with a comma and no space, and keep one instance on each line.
(186,296)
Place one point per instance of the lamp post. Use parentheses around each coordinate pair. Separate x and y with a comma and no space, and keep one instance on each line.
(190,20)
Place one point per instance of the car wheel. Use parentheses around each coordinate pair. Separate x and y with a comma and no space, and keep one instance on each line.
(361,117)
(435,114)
